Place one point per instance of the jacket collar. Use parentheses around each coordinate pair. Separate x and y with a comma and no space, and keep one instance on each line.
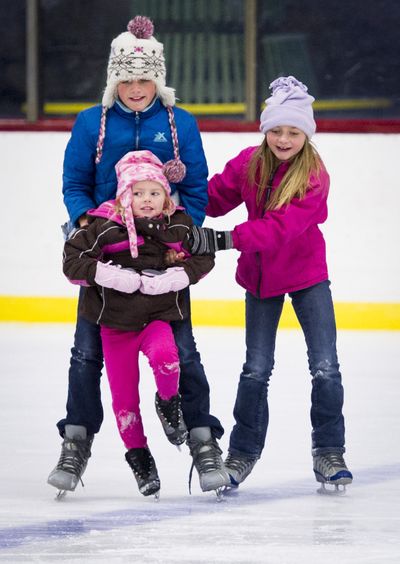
(150,111)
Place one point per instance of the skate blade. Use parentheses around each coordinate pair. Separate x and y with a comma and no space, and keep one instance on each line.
(152,488)
(219,492)
(332,489)
(60,495)
(229,491)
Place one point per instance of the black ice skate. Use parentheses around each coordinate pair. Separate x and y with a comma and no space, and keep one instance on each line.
(145,471)
(75,453)
(170,415)
(330,468)
(207,459)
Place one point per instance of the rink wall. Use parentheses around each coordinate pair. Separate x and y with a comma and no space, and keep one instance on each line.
(362,231)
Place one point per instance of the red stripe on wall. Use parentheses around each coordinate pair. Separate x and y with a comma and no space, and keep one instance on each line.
(224,125)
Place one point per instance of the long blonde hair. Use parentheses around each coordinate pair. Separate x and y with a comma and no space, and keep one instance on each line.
(294,183)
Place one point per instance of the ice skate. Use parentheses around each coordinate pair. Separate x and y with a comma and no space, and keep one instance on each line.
(170,415)
(207,459)
(75,453)
(238,468)
(330,469)
(144,469)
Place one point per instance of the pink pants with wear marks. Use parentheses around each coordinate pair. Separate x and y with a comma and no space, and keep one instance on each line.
(121,355)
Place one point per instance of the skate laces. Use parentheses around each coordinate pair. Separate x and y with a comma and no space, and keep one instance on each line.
(206,457)
(144,469)
(74,456)
(169,409)
(170,415)
(330,461)
(240,464)
(141,462)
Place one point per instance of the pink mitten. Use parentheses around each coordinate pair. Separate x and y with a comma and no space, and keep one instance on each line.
(113,276)
(172,280)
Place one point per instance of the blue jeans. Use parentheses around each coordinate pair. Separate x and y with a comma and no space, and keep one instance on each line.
(84,405)
(314,310)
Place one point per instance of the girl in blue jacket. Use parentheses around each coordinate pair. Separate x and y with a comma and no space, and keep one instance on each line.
(137,113)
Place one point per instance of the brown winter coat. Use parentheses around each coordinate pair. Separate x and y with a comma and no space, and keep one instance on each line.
(107,240)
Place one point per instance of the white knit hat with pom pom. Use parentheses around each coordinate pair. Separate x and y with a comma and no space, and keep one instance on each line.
(136,54)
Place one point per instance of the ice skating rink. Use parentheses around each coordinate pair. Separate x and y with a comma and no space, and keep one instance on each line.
(277,517)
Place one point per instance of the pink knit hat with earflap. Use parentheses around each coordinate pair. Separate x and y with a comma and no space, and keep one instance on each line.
(289,105)
(132,168)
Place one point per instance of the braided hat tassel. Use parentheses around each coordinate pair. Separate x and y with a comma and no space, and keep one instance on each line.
(174,170)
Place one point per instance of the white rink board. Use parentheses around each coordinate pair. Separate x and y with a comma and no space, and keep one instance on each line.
(362,229)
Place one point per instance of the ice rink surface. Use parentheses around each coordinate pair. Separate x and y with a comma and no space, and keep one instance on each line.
(277,516)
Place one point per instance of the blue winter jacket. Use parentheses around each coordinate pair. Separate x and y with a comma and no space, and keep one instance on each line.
(87,185)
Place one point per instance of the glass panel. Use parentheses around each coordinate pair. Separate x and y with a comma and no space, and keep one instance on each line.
(203,44)
(12,59)
(75,44)
(346,52)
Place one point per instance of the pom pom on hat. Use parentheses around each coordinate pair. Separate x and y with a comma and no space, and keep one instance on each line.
(289,105)
(141,27)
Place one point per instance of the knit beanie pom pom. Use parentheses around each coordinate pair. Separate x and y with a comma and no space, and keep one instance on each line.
(141,27)
(286,83)
(174,170)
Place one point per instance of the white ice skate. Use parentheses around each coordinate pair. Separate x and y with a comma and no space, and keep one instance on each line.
(207,460)
(332,473)
(75,453)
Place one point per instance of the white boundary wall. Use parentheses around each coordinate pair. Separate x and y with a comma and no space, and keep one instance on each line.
(362,230)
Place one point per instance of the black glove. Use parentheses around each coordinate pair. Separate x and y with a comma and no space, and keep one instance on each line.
(207,241)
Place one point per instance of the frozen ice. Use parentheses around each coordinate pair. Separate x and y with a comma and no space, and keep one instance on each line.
(276,516)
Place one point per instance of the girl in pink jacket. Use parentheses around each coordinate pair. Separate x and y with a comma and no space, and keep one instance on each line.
(284,186)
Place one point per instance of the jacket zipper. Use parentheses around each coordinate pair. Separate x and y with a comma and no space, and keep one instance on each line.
(137,122)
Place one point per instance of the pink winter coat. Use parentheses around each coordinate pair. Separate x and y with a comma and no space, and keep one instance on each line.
(281,250)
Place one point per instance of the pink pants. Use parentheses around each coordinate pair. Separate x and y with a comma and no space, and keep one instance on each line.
(121,355)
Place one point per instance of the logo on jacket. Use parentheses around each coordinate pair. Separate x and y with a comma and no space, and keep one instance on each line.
(159,137)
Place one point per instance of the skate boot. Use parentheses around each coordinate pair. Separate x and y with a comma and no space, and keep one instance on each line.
(75,453)
(145,471)
(207,459)
(170,415)
(238,468)
(330,468)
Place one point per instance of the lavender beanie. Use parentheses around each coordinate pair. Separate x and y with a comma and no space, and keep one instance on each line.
(289,105)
